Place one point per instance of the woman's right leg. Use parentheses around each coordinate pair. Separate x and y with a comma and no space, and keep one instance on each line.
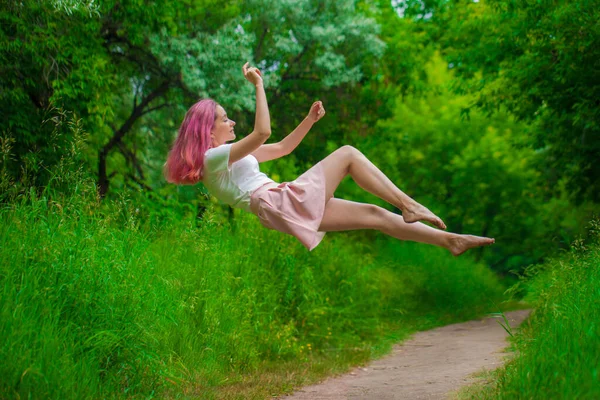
(349,161)
(343,215)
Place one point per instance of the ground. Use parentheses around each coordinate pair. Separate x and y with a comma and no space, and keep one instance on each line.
(431,365)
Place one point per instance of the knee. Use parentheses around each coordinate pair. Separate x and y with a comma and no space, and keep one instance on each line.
(344,158)
(376,213)
(350,153)
(349,150)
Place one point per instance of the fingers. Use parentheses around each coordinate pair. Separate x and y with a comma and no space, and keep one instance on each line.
(321,113)
(247,70)
(317,110)
(320,108)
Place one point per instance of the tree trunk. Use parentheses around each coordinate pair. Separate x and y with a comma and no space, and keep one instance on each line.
(138,111)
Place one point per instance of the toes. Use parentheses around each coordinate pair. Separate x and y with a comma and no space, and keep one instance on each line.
(439,223)
(424,216)
(435,221)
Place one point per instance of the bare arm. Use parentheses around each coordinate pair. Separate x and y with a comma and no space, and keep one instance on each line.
(269,152)
(291,141)
(262,122)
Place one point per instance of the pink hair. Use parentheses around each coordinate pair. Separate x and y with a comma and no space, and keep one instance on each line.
(186,159)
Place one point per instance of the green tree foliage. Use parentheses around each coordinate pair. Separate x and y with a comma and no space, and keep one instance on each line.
(168,56)
(46,54)
(117,64)
(314,50)
(399,72)
(540,61)
(467,171)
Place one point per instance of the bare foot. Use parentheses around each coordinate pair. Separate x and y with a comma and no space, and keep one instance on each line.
(461,243)
(417,212)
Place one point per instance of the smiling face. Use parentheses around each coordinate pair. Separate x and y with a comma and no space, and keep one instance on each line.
(222,131)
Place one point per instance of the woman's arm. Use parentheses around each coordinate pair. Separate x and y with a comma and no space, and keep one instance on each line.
(291,141)
(268,152)
(262,121)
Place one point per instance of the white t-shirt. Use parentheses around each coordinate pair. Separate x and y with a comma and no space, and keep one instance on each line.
(232,185)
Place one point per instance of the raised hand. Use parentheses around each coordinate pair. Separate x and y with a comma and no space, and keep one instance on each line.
(317,111)
(252,74)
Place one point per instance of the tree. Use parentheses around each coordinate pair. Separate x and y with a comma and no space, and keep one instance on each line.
(539,60)
(468,171)
(128,60)
(47,58)
(314,50)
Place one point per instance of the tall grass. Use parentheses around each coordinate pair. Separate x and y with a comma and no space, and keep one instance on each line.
(558,350)
(97,302)
(95,308)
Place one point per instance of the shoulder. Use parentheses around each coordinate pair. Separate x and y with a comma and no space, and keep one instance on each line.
(217,158)
(219,150)
(218,153)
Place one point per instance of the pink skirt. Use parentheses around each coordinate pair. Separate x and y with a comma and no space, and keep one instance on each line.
(295,208)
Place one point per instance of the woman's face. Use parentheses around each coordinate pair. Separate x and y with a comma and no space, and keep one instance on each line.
(222,131)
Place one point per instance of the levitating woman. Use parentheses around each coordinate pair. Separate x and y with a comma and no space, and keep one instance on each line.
(305,207)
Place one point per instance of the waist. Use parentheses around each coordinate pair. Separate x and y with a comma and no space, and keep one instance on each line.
(256,194)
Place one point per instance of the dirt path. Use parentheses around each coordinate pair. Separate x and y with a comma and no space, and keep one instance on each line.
(431,365)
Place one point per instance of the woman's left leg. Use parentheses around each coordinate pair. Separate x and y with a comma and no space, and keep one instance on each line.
(343,215)
(347,160)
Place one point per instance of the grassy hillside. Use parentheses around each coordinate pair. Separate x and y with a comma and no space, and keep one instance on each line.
(95,303)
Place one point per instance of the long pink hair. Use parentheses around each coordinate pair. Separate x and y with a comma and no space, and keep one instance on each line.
(186,159)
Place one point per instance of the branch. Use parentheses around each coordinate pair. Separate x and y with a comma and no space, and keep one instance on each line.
(149,110)
(293,63)
(260,44)
(139,182)
(137,112)
(300,78)
(148,60)
(103,179)
(130,157)
(286,75)
(135,97)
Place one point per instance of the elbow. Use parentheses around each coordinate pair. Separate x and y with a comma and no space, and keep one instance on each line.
(265,133)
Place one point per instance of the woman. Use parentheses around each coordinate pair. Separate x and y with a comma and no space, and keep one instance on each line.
(305,207)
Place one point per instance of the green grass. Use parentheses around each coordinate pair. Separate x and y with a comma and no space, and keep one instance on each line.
(96,302)
(558,349)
